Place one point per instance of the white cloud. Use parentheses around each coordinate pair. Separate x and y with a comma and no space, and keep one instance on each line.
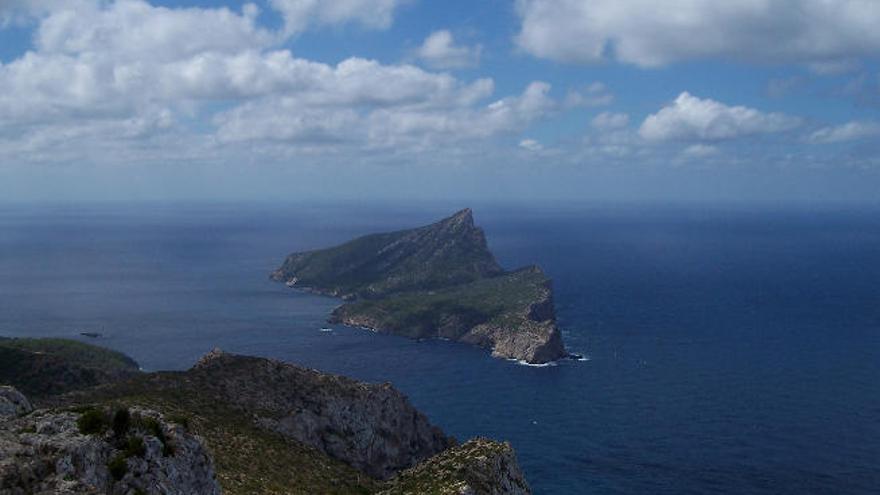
(851,131)
(648,33)
(300,14)
(531,145)
(609,121)
(593,95)
(439,51)
(130,79)
(692,118)
(700,150)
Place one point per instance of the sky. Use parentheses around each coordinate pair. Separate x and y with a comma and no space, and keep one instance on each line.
(599,100)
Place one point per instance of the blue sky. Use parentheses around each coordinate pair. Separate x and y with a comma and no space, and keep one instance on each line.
(767,100)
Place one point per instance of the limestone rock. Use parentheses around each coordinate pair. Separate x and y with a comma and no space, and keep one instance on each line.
(13,403)
(477,467)
(46,452)
(373,428)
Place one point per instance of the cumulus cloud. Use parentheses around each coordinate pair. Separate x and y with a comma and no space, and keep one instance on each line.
(593,95)
(440,51)
(300,14)
(692,118)
(130,78)
(821,33)
(415,125)
(851,131)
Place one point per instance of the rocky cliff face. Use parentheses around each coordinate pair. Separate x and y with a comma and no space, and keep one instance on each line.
(435,281)
(478,467)
(96,451)
(268,427)
(511,314)
(373,428)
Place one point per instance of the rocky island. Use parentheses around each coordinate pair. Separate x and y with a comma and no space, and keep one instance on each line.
(230,424)
(440,280)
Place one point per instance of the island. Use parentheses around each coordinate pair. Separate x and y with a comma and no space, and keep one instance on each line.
(436,281)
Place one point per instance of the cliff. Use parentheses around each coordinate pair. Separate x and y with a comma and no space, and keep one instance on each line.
(478,467)
(440,280)
(239,424)
(372,428)
(512,314)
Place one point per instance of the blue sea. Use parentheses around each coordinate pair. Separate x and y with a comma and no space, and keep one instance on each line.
(731,349)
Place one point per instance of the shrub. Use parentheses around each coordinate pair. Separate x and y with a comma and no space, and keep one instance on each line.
(118,466)
(181,420)
(92,422)
(135,447)
(121,421)
(154,428)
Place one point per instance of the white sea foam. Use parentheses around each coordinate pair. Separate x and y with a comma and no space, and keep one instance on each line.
(522,362)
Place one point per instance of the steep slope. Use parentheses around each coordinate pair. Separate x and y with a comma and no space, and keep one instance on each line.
(255,425)
(478,467)
(511,314)
(373,428)
(450,252)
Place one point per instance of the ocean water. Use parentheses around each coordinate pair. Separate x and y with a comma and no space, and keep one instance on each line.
(732,350)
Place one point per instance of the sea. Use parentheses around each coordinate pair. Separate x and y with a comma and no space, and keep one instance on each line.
(728,348)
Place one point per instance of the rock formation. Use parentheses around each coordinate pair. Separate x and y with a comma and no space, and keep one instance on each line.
(373,428)
(440,280)
(242,424)
(478,467)
(95,451)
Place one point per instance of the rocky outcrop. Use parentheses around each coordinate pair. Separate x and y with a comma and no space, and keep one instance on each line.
(102,451)
(373,428)
(13,403)
(435,281)
(478,467)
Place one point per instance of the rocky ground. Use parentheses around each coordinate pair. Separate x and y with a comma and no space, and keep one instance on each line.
(94,450)
(238,425)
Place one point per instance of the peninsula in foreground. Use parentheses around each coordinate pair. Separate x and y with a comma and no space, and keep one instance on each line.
(231,424)
(436,281)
